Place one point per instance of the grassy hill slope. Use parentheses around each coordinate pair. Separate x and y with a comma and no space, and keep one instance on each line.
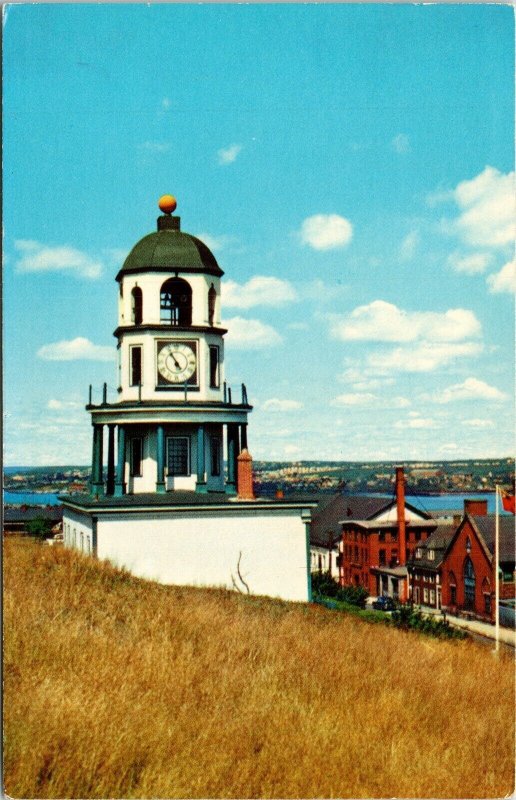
(114,687)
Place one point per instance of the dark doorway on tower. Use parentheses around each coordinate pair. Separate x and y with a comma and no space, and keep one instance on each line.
(176,303)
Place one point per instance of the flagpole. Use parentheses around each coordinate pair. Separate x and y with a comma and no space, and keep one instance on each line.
(497,578)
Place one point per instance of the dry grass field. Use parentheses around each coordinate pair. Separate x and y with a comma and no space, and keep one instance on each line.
(118,688)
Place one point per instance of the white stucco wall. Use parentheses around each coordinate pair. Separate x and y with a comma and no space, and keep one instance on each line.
(203,549)
(77,531)
(321,553)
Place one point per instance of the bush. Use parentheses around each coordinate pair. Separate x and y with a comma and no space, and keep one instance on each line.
(355,595)
(408,618)
(323,585)
(39,527)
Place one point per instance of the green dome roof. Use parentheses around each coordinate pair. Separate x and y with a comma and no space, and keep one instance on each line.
(168,250)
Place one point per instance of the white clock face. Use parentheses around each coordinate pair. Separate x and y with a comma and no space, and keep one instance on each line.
(177,362)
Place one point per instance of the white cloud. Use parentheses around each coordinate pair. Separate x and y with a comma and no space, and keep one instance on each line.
(416,423)
(37,257)
(384,322)
(250,334)
(488,209)
(116,255)
(292,450)
(155,147)
(470,389)
(215,243)
(470,264)
(326,231)
(478,423)
(423,357)
(368,399)
(76,349)
(505,280)
(63,405)
(258,291)
(409,245)
(227,155)
(401,143)
(275,404)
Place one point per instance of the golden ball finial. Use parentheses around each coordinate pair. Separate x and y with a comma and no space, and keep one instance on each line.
(167,203)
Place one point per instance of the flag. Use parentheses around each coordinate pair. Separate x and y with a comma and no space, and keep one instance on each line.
(507,501)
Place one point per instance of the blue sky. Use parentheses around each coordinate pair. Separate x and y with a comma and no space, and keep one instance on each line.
(350,166)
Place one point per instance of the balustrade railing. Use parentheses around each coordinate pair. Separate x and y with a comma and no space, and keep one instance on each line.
(108,395)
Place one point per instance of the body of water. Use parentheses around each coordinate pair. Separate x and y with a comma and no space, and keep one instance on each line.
(442,502)
(31,498)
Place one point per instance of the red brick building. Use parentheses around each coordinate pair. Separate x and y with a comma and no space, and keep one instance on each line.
(467,570)
(424,567)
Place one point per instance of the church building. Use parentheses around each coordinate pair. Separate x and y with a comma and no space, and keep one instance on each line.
(174,501)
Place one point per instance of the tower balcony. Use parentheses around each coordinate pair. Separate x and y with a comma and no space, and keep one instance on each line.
(182,407)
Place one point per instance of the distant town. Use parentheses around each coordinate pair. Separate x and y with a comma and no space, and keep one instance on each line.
(423,477)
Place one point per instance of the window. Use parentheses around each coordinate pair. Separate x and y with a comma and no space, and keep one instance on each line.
(136,306)
(416,595)
(178,455)
(487,604)
(214,366)
(381,555)
(469,585)
(425,595)
(176,302)
(215,455)
(381,536)
(212,297)
(430,555)
(419,552)
(136,456)
(432,597)
(135,354)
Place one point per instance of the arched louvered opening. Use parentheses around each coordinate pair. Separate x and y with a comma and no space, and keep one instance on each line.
(212,298)
(136,305)
(176,302)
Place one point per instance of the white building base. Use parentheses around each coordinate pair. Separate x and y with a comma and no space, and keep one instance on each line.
(260,547)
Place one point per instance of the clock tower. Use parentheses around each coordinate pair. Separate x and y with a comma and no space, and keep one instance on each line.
(175,415)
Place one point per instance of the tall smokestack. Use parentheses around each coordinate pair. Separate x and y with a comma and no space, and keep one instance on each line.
(400,508)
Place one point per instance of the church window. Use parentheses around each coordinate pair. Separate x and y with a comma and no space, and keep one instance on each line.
(215,455)
(136,365)
(214,367)
(178,455)
(136,456)
(469,585)
(212,297)
(176,303)
(136,305)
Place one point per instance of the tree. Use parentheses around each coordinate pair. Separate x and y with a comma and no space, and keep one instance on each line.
(39,527)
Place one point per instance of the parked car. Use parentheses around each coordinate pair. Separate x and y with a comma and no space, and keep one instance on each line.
(384,603)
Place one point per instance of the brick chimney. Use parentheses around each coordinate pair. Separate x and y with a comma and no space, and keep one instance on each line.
(478,508)
(400,508)
(245,476)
